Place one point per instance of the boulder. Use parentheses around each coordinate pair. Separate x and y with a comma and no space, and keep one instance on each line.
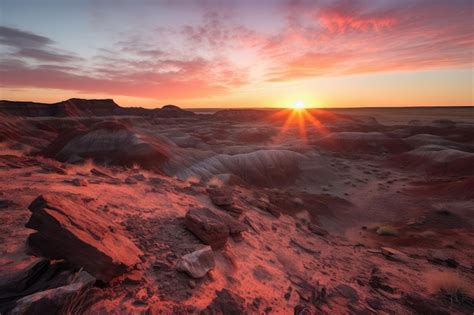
(67,229)
(213,228)
(66,299)
(207,226)
(197,263)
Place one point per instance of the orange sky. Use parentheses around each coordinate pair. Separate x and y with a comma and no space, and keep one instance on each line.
(238,53)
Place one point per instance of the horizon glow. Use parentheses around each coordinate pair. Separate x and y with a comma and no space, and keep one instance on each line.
(238,53)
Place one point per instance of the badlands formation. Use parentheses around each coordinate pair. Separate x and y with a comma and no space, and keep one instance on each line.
(112,210)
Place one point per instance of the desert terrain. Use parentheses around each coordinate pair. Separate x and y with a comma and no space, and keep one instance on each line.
(112,210)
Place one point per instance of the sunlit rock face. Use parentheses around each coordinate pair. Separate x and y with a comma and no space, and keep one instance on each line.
(67,229)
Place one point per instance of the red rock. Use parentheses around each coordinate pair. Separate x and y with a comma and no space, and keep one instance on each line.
(67,229)
(79,182)
(207,226)
(65,299)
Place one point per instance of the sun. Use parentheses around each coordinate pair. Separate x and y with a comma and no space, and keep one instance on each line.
(298,105)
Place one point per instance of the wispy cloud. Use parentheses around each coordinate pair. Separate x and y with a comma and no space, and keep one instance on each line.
(29,45)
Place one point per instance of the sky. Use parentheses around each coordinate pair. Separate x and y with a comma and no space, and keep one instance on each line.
(239,53)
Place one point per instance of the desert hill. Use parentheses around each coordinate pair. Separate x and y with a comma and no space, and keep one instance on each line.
(76,107)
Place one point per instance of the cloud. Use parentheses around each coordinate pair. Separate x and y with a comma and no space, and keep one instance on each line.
(189,80)
(32,46)
(20,39)
(356,37)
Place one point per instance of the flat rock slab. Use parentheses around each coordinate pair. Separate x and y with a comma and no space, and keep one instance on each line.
(207,226)
(67,229)
(198,263)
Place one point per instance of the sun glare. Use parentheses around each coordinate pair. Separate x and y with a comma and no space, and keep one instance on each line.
(298,105)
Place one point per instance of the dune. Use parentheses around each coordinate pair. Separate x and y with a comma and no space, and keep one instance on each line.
(262,167)
(428,139)
(436,160)
(110,143)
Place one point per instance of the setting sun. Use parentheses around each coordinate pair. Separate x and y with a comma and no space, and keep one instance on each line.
(298,105)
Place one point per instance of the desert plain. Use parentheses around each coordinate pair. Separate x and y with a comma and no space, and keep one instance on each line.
(112,210)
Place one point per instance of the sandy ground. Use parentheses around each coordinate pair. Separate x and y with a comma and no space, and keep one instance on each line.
(280,262)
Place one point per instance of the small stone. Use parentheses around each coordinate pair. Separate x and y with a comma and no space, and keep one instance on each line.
(130,181)
(79,182)
(198,263)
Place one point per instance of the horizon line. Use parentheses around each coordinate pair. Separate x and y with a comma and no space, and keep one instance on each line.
(255,107)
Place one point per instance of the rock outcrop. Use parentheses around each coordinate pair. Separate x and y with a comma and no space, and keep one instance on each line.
(66,229)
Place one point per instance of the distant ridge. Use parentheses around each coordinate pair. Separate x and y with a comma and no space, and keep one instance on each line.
(76,107)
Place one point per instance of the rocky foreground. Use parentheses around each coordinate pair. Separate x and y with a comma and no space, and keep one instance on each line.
(111,218)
